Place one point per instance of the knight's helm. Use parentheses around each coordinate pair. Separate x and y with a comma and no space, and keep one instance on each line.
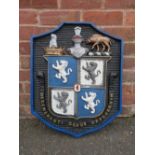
(77,38)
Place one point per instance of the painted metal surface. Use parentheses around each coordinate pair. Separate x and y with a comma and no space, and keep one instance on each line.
(75,93)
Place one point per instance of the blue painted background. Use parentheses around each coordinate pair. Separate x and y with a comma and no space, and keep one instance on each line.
(55,82)
(82,112)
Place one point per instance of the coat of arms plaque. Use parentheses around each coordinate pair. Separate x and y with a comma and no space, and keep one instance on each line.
(76,78)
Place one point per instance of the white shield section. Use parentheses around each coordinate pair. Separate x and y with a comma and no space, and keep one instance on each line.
(99,79)
(62,104)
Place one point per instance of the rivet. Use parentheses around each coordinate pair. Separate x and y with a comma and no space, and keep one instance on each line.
(58,121)
(44,109)
(108,110)
(96,121)
(73,125)
(110,102)
(100,118)
(45,112)
(84,123)
(48,115)
(51,118)
(103,117)
(106,113)
(70,123)
(42,101)
(76,124)
(111,95)
(109,106)
(41,94)
(54,120)
(92,122)
(81,124)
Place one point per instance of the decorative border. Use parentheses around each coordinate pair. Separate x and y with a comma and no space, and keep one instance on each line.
(63,130)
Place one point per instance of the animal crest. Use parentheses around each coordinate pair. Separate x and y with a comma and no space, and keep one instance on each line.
(97,39)
(62,72)
(61,98)
(53,41)
(90,69)
(91,104)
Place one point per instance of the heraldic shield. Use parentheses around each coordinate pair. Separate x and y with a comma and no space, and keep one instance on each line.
(76,73)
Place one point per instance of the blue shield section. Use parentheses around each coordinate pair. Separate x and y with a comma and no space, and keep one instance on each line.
(66,76)
(91,102)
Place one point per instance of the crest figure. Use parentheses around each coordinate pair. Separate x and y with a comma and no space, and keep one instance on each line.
(61,98)
(90,103)
(62,69)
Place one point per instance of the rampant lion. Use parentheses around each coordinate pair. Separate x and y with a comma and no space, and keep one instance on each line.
(61,68)
(62,99)
(90,69)
(91,104)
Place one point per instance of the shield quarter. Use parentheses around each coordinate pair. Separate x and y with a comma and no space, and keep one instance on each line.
(76,78)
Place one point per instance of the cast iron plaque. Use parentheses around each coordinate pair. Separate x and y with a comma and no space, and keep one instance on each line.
(76,78)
